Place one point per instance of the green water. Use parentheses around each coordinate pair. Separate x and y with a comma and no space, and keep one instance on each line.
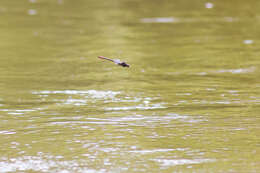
(190,102)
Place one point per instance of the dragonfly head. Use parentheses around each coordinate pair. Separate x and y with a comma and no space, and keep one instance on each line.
(123,64)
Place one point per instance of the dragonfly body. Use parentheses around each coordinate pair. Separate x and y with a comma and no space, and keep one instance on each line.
(116,61)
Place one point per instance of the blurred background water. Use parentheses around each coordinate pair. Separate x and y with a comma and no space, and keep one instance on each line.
(188,103)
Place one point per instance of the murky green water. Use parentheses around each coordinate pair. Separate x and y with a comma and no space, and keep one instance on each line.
(189,103)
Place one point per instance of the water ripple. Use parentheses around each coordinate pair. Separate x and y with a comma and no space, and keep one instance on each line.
(42,164)
(175,162)
(92,97)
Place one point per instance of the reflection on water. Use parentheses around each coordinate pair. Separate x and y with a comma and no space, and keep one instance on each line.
(41,163)
(209,5)
(91,93)
(91,97)
(46,163)
(32,12)
(166,162)
(176,20)
(248,41)
(233,71)
(237,71)
(189,102)
(159,20)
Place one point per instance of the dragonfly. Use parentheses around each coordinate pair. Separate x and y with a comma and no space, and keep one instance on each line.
(116,61)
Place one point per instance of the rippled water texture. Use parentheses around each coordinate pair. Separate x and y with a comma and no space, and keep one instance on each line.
(190,101)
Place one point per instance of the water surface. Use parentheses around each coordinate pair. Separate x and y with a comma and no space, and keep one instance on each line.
(188,103)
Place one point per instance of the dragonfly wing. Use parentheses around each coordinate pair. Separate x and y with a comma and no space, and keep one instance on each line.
(117,61)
